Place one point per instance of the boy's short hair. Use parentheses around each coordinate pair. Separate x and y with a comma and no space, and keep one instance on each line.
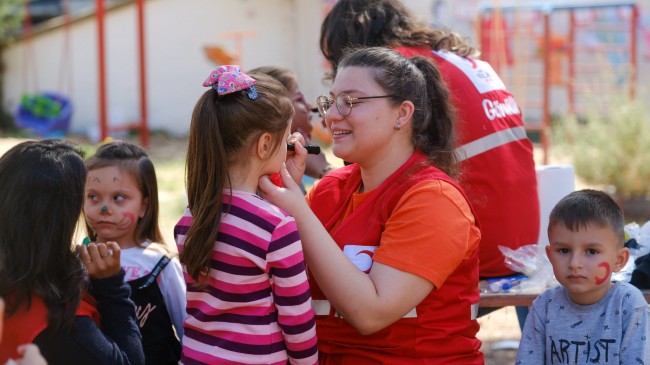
(586,207)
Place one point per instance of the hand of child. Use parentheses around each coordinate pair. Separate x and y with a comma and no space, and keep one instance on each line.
(102,260)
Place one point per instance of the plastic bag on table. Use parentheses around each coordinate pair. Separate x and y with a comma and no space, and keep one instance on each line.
(638,242)
(532,262)
(641,236)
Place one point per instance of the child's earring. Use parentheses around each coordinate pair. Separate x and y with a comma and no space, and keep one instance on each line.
(397,126)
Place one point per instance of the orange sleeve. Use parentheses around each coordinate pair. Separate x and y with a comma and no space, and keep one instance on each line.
(431,231)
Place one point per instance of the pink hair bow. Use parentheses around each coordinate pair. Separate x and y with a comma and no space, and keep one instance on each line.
(227,79)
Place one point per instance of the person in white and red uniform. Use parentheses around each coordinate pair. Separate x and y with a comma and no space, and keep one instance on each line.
(498,169)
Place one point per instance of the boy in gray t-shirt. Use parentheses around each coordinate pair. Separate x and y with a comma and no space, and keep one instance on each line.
(588,319)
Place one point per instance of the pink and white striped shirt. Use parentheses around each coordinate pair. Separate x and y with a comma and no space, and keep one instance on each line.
(256,308)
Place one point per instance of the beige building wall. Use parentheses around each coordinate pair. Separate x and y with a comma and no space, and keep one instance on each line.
(284,33)
(281,32)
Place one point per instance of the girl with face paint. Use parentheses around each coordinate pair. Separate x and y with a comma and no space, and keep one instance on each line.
(588,318)
(121,205)
(72,305)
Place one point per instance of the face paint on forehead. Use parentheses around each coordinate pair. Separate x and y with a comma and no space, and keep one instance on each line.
(600,280)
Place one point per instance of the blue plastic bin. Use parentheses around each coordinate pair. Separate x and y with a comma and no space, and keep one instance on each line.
(54,122)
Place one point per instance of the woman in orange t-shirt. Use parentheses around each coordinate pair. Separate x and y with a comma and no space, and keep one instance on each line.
(390,240)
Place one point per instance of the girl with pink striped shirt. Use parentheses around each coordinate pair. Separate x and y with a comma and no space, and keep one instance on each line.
(248,299)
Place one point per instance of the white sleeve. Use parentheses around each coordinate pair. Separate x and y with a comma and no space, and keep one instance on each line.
(172,286)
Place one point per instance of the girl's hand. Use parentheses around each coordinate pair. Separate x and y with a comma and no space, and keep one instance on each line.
(296,160)
(102,260)
(289,197)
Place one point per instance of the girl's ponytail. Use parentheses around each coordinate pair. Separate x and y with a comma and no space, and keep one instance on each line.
(205,185)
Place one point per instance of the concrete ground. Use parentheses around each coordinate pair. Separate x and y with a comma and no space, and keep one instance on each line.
(500,335)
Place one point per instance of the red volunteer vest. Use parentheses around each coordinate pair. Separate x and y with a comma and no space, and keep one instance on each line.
(499,175)
(442,331)
(25,324)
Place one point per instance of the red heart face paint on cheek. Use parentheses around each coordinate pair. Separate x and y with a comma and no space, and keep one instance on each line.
(607,272)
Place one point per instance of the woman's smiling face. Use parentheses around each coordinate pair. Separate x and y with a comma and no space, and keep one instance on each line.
(369,126)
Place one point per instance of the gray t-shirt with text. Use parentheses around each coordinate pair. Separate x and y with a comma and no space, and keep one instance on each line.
(614,330)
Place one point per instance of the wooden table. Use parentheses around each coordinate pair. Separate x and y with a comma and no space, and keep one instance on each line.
(497,300)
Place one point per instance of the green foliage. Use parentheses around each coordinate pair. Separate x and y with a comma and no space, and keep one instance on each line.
(11,18)
(612,149)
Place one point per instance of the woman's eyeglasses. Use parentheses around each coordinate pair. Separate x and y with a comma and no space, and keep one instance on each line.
(344,103)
